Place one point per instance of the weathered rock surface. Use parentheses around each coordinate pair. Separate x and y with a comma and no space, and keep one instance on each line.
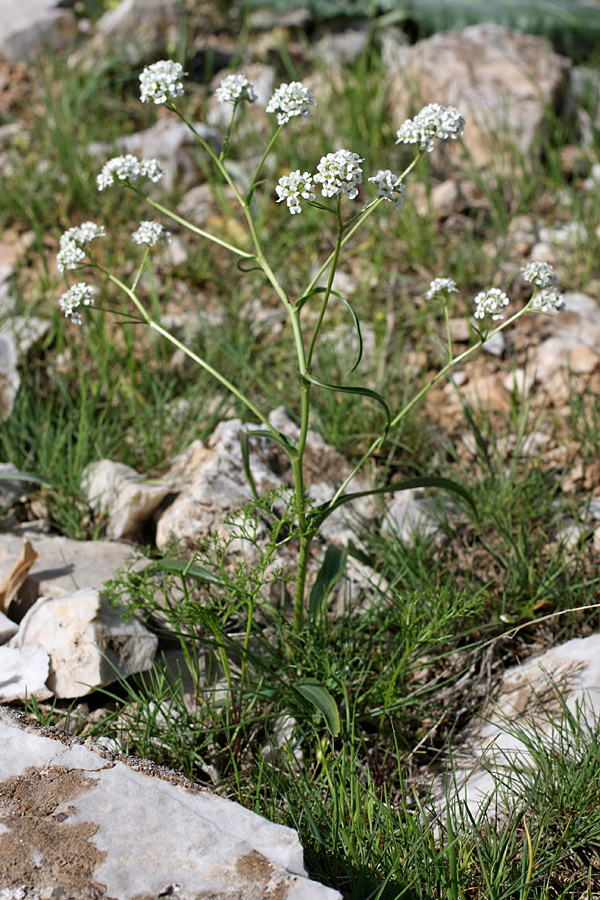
(134,31)
(9,375)
(500,80)
(532,697)
(87,640)
(122,495)
(63,565)
(213,483)
(23,673)
(70,821)
(573,342)
(28,29)
(7,628)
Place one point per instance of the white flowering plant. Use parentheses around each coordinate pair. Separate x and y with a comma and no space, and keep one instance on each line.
(334,185)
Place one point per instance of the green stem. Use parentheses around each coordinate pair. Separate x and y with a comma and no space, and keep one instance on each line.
(194,356)
(196,230)
(449,365)
(261,164)
(359,220)
(326,296)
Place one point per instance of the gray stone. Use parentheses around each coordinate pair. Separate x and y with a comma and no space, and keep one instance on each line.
(63,565)
(135,829)
(501,81)
(25,331)
(135,31)
(410,514)
(213,484)
(88,642)
(171,142)
(10,490)
(23,673)
(122,495)
(574,338)
(532,697)
(28,28)
(9,376)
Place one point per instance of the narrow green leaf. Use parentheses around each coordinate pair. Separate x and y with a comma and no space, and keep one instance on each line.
(328,576)
(313,691)
(405,484)
(29,477)
(321,290)
(181,567)
(349,389)
(244,435)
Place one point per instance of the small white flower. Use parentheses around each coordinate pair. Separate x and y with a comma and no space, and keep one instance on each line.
(490,303)
(291,100)
(161,82)
(234,89)
(540,273)
(151,233)
(71,254)
(73,298)
(547,300)
(340,173)
(441,287)
(129,169)
(294,186)
(390,186)
(433,121)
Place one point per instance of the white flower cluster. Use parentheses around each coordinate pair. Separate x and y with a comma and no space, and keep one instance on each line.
(434,121)
(151,233)
(161,82)
(234,89)
(390,186)
(291,100)
(441,287)
(546,298)
(294,186)
(340,173)
(129,168)
(490,303)
(73,298)
(71,254)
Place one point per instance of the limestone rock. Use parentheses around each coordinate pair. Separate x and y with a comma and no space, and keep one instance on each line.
(528,698)
(27,30)
(574,339)
(135,31)
(133,829)
(213,483)
(410,514)
(500,80)
(10,490)
(62,566)
(26,331)
(9,376)
(172,143)
(88,642)
(121,492)
(23,673)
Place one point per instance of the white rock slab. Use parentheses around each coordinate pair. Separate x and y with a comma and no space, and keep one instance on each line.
(135,830)
(28,27)
(123,494)
(87,640)
(63,565)
(528,698)
(23,673)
